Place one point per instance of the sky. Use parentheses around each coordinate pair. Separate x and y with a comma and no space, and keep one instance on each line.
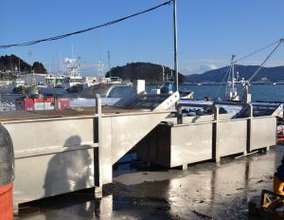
(209,32)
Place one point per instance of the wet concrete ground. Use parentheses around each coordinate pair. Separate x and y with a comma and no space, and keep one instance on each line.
(204,191)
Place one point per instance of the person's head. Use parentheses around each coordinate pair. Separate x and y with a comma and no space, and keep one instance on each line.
(73,141)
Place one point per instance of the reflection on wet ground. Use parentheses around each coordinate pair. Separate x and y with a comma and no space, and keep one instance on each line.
(204,191)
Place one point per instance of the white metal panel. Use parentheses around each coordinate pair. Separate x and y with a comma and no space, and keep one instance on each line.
(191,143)
(263,132)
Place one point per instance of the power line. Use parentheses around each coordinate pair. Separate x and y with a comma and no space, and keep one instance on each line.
(58,37)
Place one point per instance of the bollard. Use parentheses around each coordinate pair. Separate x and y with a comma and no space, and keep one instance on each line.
(6,175)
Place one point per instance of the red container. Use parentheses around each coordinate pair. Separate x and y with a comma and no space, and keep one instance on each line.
(280,134)
(28,104)
(63,103)
(6,202)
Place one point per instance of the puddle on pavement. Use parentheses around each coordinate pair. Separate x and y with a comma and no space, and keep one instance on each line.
(204,191)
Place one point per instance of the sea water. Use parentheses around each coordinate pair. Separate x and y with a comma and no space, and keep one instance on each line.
(259,92)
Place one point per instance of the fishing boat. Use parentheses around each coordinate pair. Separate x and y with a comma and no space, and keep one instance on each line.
(73,81)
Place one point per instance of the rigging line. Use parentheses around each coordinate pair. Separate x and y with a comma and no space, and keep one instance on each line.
(223,80)
(265,60)
(256,51)
(58,37)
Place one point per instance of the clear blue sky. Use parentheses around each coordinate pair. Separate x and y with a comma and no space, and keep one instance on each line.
(209,31)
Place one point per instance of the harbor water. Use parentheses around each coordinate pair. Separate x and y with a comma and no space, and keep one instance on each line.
(267,92)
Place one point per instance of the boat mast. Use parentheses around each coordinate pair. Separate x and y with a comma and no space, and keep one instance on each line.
(233,77)
(175,44)
(231,88)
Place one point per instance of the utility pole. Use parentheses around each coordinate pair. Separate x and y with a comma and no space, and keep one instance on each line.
(175,44)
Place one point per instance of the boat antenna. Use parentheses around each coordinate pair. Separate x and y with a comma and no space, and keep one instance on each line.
(108,63)
(175,43)
(234,91)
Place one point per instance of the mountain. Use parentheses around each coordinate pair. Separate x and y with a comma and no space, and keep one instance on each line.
(38,67)
(11,64)
(152,73)
(272,74)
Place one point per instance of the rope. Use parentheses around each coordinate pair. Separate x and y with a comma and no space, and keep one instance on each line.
(265,60)
(58,37)
(256,51)
(226,76)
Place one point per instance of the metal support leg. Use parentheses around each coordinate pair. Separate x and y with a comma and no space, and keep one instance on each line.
(103,162)
(179,115)
(216,153)
(249,127)
(16,210)
(104,207)
(98,193)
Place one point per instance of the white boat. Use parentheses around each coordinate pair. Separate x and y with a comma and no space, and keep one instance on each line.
(71,81)
(113,80)
(53,80)
(18,83)
(231,93)
(73,77)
